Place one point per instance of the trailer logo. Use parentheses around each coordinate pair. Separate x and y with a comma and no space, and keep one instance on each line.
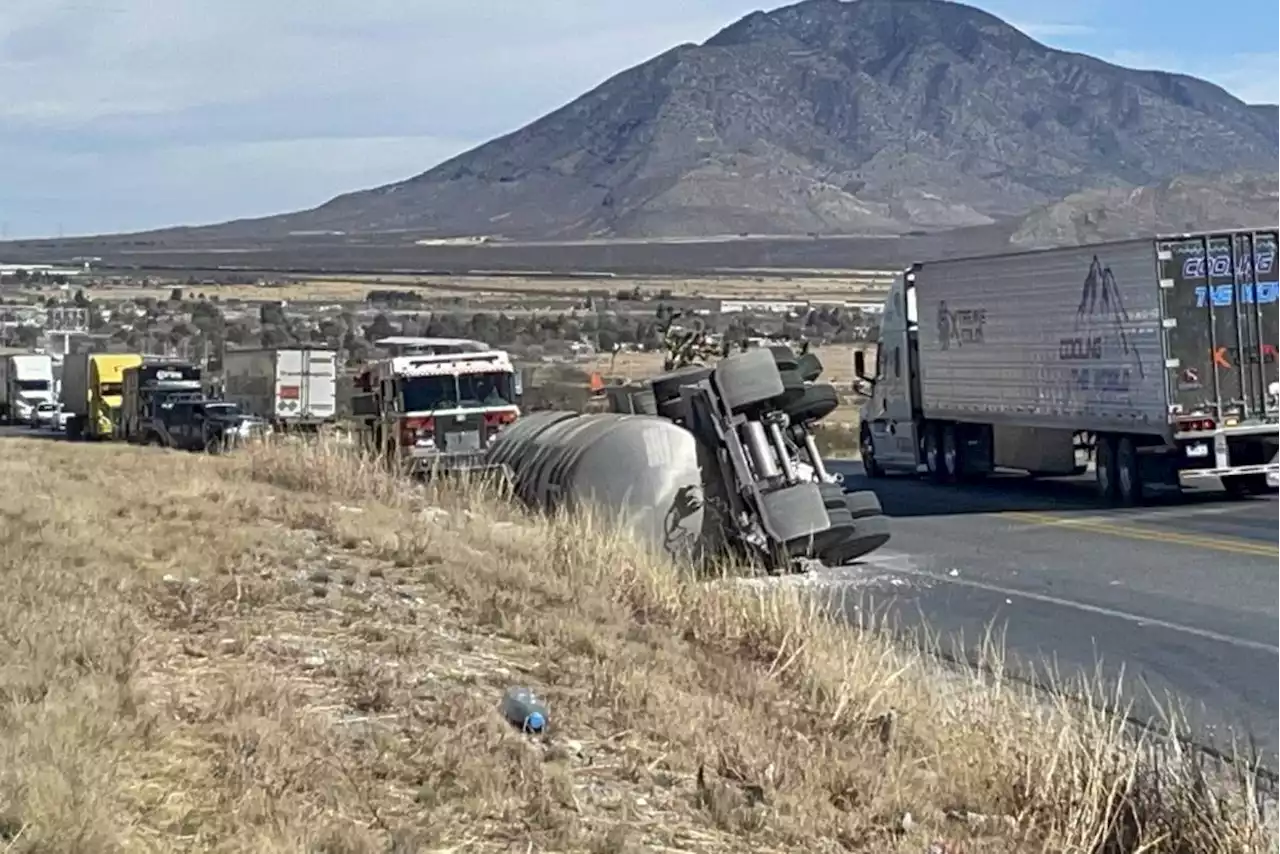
(961,326)
(1100,334)
(1220,264)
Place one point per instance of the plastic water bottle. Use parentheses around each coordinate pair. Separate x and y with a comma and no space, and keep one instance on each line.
(524,709)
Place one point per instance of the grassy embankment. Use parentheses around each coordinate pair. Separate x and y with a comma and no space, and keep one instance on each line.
(286,651)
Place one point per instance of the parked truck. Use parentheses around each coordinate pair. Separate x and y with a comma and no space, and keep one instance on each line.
(1152,360)
(92,392)
(289,388)
(26,382)
(147,387)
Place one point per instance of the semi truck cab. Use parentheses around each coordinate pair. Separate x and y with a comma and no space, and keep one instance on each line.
(889,438)
(28,383)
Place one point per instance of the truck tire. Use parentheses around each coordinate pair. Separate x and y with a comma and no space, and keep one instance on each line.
(864,537)
(784,357)
(933,453)
(863,504)
(867,450)
(1104,467)
(1128,473)
(832,495)
(746,380)
(813,403)
(667,386)
(809,366)
(796,514)
(952,449)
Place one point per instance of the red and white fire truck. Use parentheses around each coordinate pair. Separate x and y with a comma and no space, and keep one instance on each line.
(437,403)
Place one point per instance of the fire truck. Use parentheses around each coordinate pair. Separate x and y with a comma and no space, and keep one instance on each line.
(437,404)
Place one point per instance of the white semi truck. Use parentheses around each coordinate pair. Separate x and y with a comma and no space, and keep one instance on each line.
(1138,357)
(26,381)
(290,388)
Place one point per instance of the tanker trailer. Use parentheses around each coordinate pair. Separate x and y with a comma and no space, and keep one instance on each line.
(718,472)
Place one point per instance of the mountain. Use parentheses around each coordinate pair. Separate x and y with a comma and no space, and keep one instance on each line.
(1188,203)
(872,116)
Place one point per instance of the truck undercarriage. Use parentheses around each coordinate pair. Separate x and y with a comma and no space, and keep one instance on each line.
(722,452)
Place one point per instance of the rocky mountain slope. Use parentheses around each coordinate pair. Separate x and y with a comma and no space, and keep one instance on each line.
(873,116)
(1178,205)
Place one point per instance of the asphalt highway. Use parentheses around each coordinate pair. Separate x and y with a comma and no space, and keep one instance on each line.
(1175,602)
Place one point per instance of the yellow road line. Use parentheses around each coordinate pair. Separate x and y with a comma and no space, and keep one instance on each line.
(1133,532)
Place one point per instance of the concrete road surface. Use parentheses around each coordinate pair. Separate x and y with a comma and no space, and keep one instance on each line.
(1181,596)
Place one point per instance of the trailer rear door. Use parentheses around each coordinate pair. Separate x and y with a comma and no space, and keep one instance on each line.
(1222,323)
(305,384)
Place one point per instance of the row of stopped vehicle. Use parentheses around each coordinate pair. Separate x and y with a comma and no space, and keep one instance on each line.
(704,462)
(436,404)
(164,403)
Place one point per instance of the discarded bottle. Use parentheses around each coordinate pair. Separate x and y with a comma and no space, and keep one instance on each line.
(524,709)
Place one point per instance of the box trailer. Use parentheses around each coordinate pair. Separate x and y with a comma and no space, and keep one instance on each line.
(92,392)
(293,387)
(1152,360)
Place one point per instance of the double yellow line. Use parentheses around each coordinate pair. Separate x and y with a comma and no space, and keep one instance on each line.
(1133,532)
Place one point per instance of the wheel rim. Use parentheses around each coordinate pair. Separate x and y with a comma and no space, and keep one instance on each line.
(949,455)
(931,453)
(1103,471)
(868,450)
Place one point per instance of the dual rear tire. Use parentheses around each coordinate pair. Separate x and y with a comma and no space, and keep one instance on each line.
(1118,470)
(944,453)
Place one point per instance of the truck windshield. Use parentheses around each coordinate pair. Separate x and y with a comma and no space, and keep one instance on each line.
(485,389)
(33,385)
(424,394)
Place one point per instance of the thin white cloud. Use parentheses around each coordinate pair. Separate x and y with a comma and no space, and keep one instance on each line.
(1046,30)
(132,114)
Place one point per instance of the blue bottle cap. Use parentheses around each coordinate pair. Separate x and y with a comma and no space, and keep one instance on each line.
(535,722)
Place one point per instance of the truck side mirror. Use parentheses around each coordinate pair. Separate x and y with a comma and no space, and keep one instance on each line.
(862,383)
(860,367)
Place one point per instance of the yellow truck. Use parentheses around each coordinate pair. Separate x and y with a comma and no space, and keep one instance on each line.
(92,392)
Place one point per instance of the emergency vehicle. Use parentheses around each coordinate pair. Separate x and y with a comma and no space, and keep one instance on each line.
(438,405)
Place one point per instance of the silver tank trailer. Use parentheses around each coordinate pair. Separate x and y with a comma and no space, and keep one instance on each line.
(711,469)
(639,472)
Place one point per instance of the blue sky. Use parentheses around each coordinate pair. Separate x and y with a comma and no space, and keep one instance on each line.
(129,114)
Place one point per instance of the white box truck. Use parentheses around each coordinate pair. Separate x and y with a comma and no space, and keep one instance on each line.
(26,381)
(1153,360)
(289,387)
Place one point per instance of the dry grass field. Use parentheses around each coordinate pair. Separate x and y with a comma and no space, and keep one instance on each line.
(287,651)
(834,286)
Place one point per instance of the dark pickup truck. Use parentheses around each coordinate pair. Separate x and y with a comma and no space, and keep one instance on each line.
(203,424)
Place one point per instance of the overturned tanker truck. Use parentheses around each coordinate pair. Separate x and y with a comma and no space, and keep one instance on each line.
(703,463)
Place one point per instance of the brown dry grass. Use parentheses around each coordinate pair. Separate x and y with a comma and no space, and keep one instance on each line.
(837,287)
(286,651)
